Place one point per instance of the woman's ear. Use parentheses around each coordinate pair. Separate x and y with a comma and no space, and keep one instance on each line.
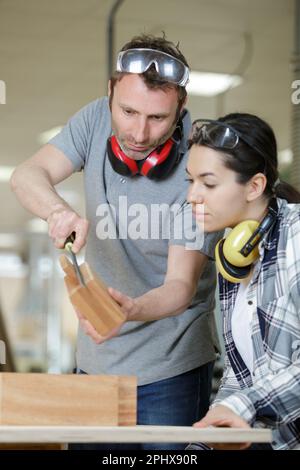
(256,186)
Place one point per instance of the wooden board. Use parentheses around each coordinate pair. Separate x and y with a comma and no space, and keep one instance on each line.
(127,400)
(131,434)
(92,300)
(49,399)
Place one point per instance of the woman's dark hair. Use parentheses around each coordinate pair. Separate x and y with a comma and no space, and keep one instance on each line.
(151,77)
(257,155)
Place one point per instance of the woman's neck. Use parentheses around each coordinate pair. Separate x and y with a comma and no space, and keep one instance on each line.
(257,210)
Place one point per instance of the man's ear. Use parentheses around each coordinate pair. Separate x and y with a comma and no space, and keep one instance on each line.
(183,104)
(109,88)
(256,186)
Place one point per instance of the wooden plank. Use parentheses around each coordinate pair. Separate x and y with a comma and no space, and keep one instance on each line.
(93,300)
(127,400)
(49,399)
(33,446)
(131,434)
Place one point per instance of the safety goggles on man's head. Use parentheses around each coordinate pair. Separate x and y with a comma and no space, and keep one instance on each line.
(168,67)
(219,134)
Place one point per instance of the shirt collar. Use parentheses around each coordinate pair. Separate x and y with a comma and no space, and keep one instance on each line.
(270,239)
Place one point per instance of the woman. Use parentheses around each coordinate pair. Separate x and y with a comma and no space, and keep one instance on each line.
(233,172)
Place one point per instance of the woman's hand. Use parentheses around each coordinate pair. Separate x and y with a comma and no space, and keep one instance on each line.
(222,416)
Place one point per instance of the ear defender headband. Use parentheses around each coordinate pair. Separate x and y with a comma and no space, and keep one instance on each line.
(157,165)
(236,253)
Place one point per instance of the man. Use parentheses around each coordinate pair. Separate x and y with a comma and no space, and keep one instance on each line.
(132,148)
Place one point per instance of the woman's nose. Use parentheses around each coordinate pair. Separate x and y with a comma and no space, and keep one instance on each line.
(195,195)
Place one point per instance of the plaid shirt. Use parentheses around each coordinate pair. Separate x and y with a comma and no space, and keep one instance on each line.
(270,397)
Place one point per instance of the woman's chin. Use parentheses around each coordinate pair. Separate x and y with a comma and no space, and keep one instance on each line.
(208,225)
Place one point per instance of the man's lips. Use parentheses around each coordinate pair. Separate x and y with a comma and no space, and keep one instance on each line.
(138,149)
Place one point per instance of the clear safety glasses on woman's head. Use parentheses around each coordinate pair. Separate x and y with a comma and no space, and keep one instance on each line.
(168,67)
(219,134)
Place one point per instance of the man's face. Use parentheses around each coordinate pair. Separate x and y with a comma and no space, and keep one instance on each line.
(142,118)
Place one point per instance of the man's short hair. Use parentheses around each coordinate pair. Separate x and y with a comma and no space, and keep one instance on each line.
(151,77)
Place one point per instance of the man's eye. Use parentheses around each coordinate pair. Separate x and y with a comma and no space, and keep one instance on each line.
(129,112)
(210,185)
(189,180)
(157,118)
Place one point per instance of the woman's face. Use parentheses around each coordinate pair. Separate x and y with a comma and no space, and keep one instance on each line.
(218,201)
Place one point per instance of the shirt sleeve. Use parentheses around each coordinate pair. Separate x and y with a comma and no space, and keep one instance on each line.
(74,138)
(228,384)
(277,395)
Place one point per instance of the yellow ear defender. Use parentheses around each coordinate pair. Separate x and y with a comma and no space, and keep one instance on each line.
(236,253)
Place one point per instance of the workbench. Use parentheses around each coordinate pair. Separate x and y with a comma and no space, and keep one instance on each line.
(69,434)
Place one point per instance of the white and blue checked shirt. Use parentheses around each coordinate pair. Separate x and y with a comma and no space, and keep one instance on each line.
(270,397)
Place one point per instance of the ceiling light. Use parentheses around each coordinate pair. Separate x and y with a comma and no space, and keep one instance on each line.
(5,173)
(211,84)
(285,157)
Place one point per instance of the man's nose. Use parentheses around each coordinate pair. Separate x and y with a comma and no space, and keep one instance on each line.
(141,132)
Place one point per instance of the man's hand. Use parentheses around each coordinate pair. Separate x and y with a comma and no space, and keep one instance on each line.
(129,307)
(222,416)
(62,222)
(89,330)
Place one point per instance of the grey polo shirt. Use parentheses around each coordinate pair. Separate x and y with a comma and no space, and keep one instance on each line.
(128,246)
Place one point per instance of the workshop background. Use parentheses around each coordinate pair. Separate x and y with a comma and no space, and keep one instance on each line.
(55,57)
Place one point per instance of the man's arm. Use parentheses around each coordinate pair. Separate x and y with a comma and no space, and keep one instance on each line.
(171,298)
(174,295)
(33,183)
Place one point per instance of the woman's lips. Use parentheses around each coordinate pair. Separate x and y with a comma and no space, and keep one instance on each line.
(199,215)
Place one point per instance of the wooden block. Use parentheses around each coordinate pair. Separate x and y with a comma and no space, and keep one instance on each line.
(68,268)
(99,290)
(92,300)
(82,301)
(49,399)
(127,400)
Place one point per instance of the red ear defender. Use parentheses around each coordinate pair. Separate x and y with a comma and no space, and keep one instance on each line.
(119,161)
(158,165)
(156,157)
